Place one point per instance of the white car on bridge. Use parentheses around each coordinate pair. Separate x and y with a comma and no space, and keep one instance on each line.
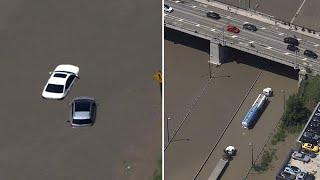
(167,8)
(60,81)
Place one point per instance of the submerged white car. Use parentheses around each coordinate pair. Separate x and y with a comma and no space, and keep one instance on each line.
(60,81)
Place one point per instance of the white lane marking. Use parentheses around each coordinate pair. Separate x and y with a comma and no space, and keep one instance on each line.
(298,11)
(212,29)
(286,53)
(180,20)
(165,14)
(299,39)
(316,45)
(198,25)
(194,6)
(245,22)
(304,59)
(281,34)
(269,47)
(234,36)
(177,1)
(304,63)
(251,42)
(263,28)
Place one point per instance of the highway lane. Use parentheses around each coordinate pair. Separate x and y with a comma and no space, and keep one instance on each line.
(190,15)
(202,9)
(193,8)
(244,41)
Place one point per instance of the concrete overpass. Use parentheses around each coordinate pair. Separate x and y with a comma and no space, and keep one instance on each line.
(190,17)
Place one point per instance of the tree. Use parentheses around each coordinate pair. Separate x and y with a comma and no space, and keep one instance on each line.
(296,113)
(310,92)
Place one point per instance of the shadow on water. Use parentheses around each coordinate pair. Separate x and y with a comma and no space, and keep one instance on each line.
(234,55)
(178,37)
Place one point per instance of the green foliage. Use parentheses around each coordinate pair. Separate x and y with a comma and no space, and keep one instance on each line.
(296,113)
(266,160)
(157,175)
(280,135)
(310,92)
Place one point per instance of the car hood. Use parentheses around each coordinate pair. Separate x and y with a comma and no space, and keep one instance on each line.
(81,115)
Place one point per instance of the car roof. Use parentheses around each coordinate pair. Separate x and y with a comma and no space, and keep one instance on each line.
(58,80)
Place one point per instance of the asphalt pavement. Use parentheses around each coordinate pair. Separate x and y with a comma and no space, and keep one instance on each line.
(117,46)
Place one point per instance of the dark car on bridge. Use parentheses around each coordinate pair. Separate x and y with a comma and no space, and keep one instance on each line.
(291,40)
(310,54)
(250,27)
(233,29)
(213,15)
(293,48)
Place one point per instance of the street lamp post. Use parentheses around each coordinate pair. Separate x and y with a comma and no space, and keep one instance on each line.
(284,99)
(252,162)
(168,133)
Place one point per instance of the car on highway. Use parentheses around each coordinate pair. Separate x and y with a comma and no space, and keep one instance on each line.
(250,27)
(310,54)
(292,169)
(291,40)
(213,15)
(300,157)
(83,112)
(233,29)
(287,175)
(60,81)
(310,147)
(308,153)
(293,48)
(167,8)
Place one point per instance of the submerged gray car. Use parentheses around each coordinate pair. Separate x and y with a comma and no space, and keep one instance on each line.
(83,112)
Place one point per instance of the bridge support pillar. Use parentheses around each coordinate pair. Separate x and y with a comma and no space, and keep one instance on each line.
(217,53)
(302,75)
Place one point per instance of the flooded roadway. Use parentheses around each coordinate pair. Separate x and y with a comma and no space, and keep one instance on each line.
(203,108)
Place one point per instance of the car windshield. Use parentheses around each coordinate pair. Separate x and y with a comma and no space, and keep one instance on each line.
(82,106)
(82,121)
(54,88)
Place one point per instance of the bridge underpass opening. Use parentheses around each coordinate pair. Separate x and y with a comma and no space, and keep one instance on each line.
(229,54)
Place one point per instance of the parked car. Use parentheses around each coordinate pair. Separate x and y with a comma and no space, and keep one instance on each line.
(310,147)
(293,48)
(310,54)
(300,157)
(83,112)
(315,119)
(291,40)
(60,81)
(315,124)
(250,27)
(233,29)
(301,176)
(311,136)
(167,8)
(313,130)
(213,15)
(308,153)
(292,169)
(287,175)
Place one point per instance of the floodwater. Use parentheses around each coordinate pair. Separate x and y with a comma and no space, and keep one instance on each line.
(204,116)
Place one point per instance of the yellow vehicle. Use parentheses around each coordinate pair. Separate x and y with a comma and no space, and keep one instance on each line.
(310,147)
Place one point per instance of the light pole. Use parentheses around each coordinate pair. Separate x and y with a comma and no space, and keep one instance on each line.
(252,163)
(168,133)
